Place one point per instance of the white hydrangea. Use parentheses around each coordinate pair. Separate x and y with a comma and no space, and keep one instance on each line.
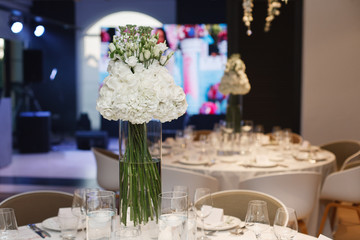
(140,96)
(235,80)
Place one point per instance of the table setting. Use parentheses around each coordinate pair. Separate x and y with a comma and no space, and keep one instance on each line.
(179,219)
(243,157)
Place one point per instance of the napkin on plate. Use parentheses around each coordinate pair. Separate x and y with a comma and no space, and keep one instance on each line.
(215,218)
(322,237)
(65,212)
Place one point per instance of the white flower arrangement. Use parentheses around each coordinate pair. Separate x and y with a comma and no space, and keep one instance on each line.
(139,88)
(235,80)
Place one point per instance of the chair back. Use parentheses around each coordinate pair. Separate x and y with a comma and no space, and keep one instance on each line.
(342,186)
(235,202)
(107,169)
(174,176)
(352,161)
(36,206)
(342,150)
(298,190)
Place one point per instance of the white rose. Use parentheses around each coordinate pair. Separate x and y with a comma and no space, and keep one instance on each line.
(147,54)
(131,61)
(162,47)
(112,47)
(163,60)
(156,51)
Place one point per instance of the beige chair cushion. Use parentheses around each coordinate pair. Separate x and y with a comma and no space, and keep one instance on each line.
(235,202)
(36,206)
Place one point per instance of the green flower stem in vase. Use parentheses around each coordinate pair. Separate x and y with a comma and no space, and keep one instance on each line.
(234,111)
(140,182)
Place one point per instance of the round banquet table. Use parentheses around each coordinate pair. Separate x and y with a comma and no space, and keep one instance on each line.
(26,233)
(230,170)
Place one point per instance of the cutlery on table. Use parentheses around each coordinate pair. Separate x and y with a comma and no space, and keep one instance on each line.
(239,230)
(39,231)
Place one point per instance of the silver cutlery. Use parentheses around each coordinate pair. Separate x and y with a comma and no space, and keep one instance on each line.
(211,233)
(42,233)
(239,230)
(212,162)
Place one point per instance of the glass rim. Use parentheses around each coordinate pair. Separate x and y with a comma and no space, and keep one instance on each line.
(170,195)
(259,202)
(286,209)
(100,193)
(6,210)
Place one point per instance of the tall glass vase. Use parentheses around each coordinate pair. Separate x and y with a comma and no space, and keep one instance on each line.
(140,167)
(234,111)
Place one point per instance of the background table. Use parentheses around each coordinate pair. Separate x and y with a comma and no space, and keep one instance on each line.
(230,170)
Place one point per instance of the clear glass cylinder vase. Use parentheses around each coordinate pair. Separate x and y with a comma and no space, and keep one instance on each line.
(140,173)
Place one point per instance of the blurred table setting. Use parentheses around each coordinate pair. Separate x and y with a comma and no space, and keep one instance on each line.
(232,157)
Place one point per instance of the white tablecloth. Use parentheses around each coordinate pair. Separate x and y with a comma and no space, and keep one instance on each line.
(229,170)
(27,234)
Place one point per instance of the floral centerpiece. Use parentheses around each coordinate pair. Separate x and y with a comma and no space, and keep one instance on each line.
(137,90)
(234,82)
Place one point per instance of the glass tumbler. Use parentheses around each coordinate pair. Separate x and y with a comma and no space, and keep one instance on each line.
(173,216)
(100,215)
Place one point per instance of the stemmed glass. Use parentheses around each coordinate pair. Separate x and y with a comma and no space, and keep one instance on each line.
(203,205)
(285,224)
(257,217)
(78,207)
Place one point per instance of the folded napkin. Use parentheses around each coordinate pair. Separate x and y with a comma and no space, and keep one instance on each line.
(65,212)
(322,237)
(215,217)
(25,233)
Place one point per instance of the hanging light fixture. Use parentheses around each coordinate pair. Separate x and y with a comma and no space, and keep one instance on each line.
(273,10)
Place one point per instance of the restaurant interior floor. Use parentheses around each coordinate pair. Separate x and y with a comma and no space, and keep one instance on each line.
(66,168)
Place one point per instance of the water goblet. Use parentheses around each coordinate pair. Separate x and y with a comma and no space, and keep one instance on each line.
(182,188)
(78,207)
(100,214)
(287,137)
(173,216)
(8,224)
(180,138)
(247,126)
(68,223)
(203,205)
(277,134)
(285,224)
(257,217)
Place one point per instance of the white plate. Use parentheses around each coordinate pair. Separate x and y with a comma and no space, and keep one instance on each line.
(53,224)
(227,160)
(276,158)
(192,162)
(228,223)
(166,151)
(260,165)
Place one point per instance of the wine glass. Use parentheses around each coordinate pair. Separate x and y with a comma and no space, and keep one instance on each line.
(182,188)
(257,217)
(203,205)
(285,224)
(78,207)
